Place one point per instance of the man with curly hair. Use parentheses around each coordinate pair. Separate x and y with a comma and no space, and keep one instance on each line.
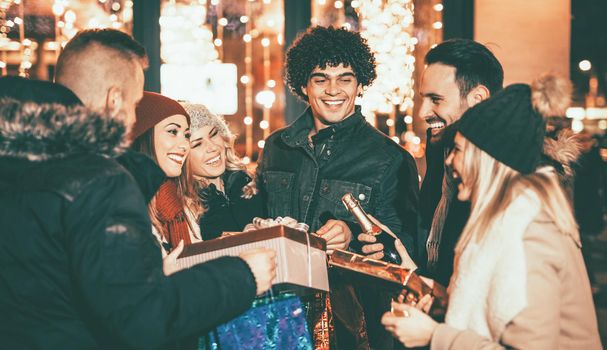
(331,150)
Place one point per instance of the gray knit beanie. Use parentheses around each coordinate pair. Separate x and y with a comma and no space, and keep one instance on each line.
(200,116)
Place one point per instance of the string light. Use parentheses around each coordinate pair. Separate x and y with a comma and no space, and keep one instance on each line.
(388,28)
(249,87)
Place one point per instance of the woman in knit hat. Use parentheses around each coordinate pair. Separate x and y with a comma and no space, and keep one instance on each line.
(217,178)
(520,280)
(162,131)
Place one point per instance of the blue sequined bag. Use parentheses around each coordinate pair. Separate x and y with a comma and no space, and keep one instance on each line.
(271,323)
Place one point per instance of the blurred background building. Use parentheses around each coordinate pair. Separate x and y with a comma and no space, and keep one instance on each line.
(228,54)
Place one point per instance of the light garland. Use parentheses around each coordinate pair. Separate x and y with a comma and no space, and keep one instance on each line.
(102,14)
(387,26)
(248,61)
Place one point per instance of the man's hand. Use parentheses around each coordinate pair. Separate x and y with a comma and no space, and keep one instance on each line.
(370,248)
(337,234)
(262,262)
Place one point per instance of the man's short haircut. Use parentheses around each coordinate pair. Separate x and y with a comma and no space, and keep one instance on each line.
(120,42)
(474,64)
(322,47)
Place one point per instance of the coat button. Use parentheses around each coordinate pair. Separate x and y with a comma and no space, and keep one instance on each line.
(325,190)
(362,197)
(328,152)
(306,198)
(283,182)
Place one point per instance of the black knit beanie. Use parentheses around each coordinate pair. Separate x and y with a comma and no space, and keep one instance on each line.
(507,127)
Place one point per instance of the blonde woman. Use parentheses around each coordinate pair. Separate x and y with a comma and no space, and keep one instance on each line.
(217,178)
(520,280)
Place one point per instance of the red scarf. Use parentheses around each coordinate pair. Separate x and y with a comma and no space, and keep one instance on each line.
(171,214)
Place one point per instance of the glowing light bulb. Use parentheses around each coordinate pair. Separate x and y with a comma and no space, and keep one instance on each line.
(248,120)
(585,65)
(58,9)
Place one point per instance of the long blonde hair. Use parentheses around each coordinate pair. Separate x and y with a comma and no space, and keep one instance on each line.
(191,185)
(494,186)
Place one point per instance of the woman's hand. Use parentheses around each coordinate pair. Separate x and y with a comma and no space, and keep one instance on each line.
(169,262)
(409,325)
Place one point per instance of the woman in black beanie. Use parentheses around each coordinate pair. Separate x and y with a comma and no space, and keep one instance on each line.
(520,280)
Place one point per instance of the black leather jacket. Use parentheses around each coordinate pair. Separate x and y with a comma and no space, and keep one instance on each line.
(307,182)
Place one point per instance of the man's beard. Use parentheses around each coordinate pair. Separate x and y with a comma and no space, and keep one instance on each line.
(445,137)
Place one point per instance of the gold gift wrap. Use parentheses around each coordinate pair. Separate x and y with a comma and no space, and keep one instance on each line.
(387,276)
(301,258)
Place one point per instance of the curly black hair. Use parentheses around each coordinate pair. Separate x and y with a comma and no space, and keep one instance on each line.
(322,46)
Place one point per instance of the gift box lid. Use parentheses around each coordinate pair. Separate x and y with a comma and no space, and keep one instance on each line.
(234,240)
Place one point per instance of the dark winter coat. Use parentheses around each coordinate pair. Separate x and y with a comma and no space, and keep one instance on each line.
(79,266)
(229,211)
(457,212)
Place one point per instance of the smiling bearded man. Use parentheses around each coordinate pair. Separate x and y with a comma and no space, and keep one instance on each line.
(331,150)
(460,73)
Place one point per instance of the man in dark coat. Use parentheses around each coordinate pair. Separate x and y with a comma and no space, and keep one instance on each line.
(460,73)
(104,68)
(331,150)
(79,266)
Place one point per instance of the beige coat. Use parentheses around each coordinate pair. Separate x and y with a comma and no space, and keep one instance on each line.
(560,312)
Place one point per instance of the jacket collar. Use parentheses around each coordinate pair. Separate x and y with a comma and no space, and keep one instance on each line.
(297,133)
(39,132)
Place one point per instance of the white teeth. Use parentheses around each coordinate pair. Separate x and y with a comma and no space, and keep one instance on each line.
(176,158)
(333,103)
(437,125)
(213,160)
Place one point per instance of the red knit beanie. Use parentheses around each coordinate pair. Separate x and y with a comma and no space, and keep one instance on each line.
(152,109)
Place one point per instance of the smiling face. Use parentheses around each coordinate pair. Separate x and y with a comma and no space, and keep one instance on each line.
(172,144)
(442,103)
(208,154)
(331,94)
(456,161)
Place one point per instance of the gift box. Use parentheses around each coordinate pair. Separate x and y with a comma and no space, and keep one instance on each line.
(301,257)
(390,277)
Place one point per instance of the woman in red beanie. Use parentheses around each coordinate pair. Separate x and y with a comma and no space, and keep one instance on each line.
(162,131)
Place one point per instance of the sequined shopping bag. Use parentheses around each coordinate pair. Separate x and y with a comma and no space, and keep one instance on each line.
(276,322)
